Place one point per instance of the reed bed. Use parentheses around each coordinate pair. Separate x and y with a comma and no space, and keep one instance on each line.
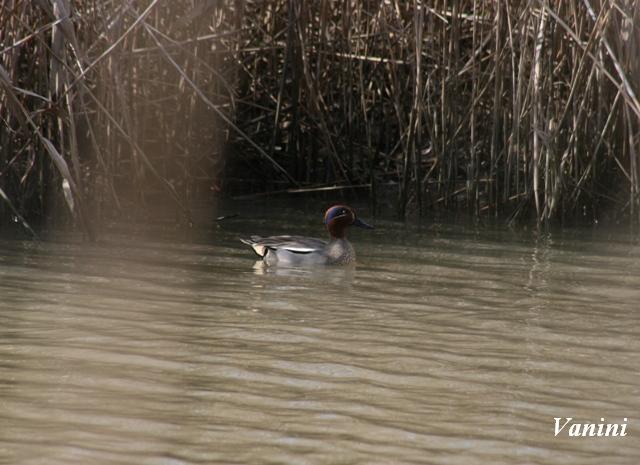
(526,110)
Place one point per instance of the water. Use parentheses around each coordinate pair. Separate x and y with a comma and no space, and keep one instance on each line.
(446,345)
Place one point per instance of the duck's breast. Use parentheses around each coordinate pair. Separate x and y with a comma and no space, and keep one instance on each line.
(340,252)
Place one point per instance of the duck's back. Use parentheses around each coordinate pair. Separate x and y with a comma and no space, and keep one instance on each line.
(289,250)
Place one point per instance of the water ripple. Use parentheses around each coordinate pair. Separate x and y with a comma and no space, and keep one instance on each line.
(459,351)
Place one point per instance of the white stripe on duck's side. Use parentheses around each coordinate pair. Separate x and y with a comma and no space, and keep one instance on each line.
(300,250)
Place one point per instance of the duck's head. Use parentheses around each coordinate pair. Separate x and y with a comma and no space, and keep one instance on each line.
(339,217)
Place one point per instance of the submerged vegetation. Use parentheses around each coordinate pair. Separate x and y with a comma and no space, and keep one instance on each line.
(528,110)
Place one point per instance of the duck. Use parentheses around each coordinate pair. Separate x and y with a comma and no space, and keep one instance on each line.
(302,251)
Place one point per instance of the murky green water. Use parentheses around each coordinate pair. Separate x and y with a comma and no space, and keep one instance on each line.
(446,345)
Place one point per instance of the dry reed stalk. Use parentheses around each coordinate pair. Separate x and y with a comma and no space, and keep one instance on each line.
(527,108)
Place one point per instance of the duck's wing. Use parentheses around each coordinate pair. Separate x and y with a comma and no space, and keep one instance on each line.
(294,244)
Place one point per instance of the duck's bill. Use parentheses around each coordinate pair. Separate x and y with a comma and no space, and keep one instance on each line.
(362,224)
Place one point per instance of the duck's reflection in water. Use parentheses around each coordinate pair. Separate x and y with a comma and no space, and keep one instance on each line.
(333,275)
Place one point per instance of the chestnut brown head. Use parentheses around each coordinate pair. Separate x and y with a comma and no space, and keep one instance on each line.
(339,217)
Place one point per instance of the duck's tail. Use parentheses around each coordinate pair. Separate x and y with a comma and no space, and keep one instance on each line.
(254,243)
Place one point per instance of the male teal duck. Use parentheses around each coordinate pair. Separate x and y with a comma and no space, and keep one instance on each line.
(300,250)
